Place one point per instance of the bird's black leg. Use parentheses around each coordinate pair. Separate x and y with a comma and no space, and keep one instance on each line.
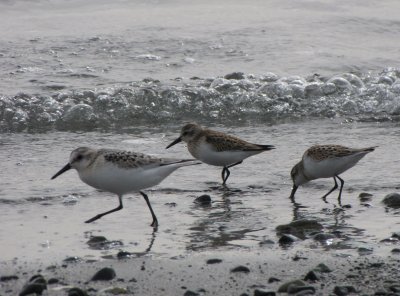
(340,192)
(155,221)
(226,170)
(225,175)
(108,212)
(330,191)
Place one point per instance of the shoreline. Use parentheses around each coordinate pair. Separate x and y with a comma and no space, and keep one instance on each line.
(216,273)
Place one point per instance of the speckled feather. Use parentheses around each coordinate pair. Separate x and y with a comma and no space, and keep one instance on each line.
(321,152)
(129,159)
(224,142)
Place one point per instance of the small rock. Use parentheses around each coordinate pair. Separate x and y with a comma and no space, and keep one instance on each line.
(214,261)
(235,75)
(76,292)
(396,235)
(392,200)
(258,292)
(116,291)
(395,288)
(396,251)
(204,200)
(284,288)
(101,243)
(322,268)
(300,228)
(323,237)
(190,293)
(267,242)
(287,239)
(312,276)
(381,293)
(72,259)
(53,281)
(124,255)
(294,289)
(32,288)
(241,268)
(365,251)
(105,274)
(273,280)
(38,278)
(6,278)
(94,240)
(344,290)
(364,197)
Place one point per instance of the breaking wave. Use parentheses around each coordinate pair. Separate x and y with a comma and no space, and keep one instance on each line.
(235,98)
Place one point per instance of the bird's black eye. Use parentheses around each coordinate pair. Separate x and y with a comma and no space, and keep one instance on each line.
(79,157)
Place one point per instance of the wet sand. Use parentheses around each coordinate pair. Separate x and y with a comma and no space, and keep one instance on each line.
(257,272)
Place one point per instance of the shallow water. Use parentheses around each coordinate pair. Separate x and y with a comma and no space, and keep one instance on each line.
(128,74)
(43,219)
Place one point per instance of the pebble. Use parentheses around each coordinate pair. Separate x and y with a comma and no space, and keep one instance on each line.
(76,292)
(53,281)
(190,293)
(124,255)
(267,242)
(101,243)
(115,291)
(6,278)
(295,283)
(241,268)
(364,196)
(322,268)
(344,290)
(312,275)
(213,261)
(36,285)
(300,227)
(104,274)
(235,75)
(323,237)
(258,292)
(395,288)
(203,200)
(72,259)
(294,289)
(392,200)
(32,288)
(287,239)
(273,280)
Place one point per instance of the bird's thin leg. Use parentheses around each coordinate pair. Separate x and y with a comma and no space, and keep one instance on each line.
(108,212)
(225,175)
(226,170)
(146,198)
(340,192)
(330,191)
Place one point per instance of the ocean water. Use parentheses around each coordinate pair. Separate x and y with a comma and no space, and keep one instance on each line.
(129,74)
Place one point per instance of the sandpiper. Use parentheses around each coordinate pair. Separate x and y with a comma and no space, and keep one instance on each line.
(121,172)
(326,161)
(217,148)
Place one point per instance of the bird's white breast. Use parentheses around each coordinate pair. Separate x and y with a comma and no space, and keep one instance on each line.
(205,152)
(329,167)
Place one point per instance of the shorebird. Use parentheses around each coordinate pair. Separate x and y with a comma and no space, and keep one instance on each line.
(121,172)
(326,161)
(217,148)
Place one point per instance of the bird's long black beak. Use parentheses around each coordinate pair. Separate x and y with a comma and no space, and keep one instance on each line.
(174,142)
(294,189)
(63,170)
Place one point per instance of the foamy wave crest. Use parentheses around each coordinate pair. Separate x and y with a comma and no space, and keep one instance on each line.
(235,98)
